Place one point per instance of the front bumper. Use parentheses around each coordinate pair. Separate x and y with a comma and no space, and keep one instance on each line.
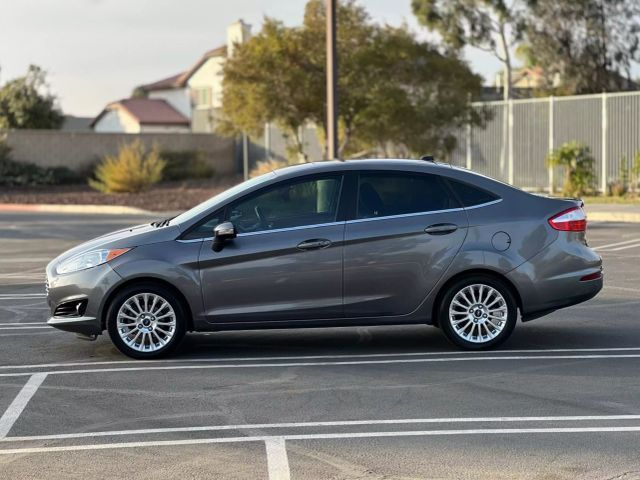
(92,285)
(83,325)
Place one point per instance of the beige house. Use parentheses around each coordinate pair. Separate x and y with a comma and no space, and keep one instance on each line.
(195,94)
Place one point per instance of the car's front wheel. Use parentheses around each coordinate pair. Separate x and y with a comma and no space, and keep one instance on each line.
(478,312)
(146,321)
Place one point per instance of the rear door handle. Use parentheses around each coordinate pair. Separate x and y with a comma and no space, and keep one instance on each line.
(314,244)
(441,229)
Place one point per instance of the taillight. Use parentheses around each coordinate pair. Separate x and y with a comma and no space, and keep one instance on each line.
(570,220)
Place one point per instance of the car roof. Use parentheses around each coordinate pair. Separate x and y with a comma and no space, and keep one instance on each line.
(367,164)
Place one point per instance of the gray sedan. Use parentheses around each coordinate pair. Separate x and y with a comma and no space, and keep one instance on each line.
(380,242)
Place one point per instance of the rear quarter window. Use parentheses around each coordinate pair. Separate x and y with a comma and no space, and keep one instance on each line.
(471,195)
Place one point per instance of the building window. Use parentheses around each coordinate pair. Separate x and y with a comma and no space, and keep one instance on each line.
(202,97)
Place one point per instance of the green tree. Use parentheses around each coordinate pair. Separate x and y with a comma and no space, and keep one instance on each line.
(393,89)
(494,26)
(416,109)
(271,79)
(584,46)
(26,102)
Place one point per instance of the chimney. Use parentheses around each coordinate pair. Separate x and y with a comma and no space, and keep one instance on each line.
(238,32)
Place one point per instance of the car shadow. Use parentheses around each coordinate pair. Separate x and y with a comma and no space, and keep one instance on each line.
(598,327)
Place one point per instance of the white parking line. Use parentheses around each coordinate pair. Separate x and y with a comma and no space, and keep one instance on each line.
(635,245)
(21,323)
(2,327)
(343,423)
(20,402)
(277,461)
(318,357)
(49,332)
(624,289)
(322,436)
(600,247)
(329,364)
(14,298)
(4,296)
(25,260)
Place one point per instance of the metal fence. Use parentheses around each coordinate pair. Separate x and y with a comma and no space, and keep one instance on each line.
(513,145)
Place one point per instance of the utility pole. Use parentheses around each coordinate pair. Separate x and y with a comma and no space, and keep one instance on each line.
(332,82)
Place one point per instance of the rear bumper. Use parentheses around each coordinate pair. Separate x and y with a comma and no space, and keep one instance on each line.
(580,293)
(552,279)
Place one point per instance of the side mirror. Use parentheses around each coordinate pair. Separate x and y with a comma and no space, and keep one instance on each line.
(223,233)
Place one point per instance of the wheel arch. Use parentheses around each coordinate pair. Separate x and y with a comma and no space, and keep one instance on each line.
(476,271)
(146,280)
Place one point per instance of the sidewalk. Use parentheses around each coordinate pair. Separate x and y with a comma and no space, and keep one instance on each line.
(599,212)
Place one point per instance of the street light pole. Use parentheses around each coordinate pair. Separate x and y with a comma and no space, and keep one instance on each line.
(332,82)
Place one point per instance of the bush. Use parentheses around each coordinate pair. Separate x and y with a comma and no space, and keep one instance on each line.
(266,166)
(19,174)
(578,164)
(131,170)
(186,165)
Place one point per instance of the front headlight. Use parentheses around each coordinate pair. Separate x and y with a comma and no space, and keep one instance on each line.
(90,259)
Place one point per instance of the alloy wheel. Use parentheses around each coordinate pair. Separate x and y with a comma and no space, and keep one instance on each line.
(146,322)
(478,313)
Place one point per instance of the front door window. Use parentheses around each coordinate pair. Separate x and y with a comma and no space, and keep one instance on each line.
(295,204)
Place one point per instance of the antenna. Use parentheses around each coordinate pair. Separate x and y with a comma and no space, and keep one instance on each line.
(427,158)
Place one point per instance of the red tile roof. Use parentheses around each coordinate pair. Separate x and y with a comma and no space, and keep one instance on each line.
(180,80)
(147,111)
(164,84)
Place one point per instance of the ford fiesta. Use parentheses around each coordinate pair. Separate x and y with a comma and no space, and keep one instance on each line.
(380,242)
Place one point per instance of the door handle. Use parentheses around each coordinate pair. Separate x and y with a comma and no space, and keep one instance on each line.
(314,244)
(441,229)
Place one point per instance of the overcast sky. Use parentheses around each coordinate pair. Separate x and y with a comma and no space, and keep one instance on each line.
(96,51)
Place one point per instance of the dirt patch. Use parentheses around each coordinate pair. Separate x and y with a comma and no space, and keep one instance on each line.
(162,198)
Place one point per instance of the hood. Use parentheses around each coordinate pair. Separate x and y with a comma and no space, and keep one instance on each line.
(126,238)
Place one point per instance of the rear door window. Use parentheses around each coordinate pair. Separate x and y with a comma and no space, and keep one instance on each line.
(382,194)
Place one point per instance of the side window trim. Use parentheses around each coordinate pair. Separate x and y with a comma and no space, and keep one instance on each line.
(485,204)
(402,215)
(288,229)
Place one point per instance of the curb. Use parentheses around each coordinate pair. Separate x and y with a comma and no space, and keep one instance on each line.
(64,208)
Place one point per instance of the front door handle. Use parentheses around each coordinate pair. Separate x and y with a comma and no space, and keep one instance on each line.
(314,244)
(441,229)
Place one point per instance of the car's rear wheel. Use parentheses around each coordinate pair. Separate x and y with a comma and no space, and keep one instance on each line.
(146,321)
(478,312)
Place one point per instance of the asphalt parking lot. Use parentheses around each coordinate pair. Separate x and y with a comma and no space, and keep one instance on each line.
(560,400)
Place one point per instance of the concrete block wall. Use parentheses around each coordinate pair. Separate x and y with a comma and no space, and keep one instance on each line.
(79,151)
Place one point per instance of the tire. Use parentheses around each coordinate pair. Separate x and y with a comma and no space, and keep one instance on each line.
(146,321)
(478,312)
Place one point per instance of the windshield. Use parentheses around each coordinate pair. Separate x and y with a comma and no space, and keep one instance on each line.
(220,198)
